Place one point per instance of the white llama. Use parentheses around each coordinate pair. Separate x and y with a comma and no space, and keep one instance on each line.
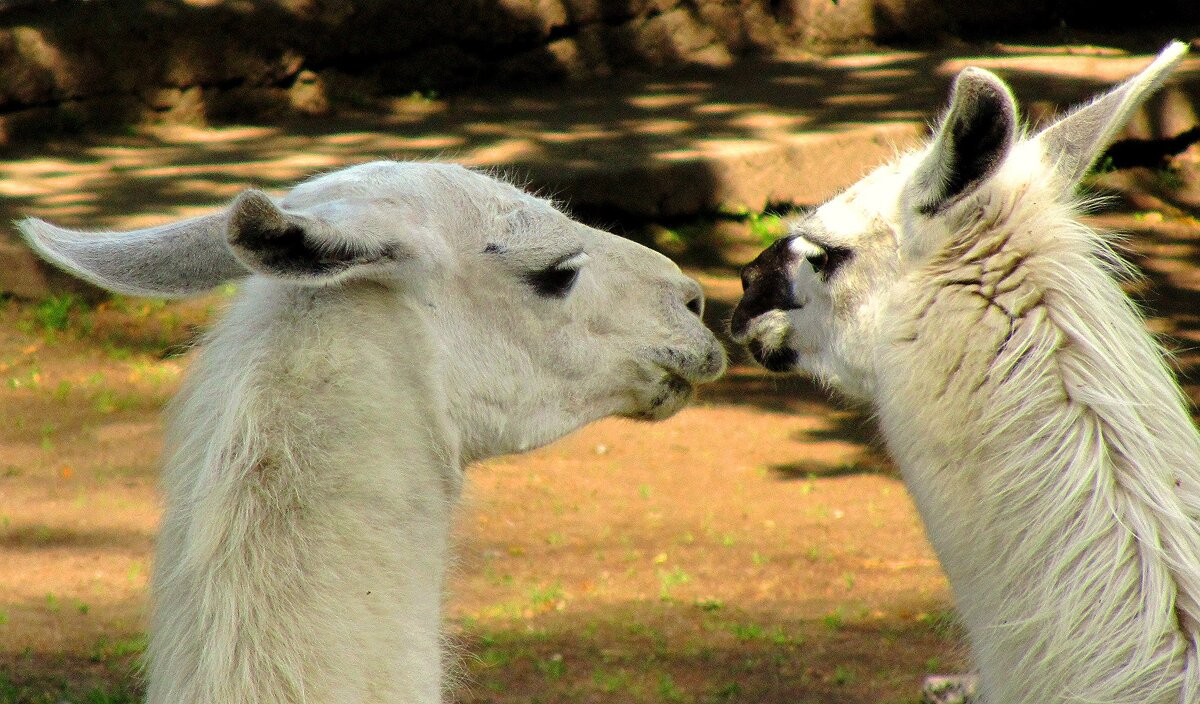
(399,321)
(1046,443)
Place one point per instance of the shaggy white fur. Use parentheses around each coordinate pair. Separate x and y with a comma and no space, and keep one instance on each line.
(398,321)
(1046,442)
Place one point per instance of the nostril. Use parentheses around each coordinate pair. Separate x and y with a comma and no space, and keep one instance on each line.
(696,305)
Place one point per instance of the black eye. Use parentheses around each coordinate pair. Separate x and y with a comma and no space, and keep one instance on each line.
(829,259)
(554,281)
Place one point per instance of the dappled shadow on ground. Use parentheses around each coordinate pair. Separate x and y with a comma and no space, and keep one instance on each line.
(668,651)
(703,652)
(616,151)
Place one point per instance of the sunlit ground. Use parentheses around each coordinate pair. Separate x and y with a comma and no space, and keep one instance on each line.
(756,548)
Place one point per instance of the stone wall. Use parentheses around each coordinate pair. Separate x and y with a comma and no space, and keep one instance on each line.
(71,63)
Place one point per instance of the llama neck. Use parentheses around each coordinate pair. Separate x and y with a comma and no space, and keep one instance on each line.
(308,504)
(1055,466)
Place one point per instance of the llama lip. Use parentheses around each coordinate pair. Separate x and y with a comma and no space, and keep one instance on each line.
(779,359)
(673,393)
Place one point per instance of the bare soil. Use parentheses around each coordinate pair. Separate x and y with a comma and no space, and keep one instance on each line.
(754,548)
(758,547)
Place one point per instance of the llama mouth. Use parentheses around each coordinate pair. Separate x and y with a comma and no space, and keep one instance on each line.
(778,359)
(674,392)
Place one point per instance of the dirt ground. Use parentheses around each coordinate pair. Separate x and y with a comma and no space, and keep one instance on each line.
(755,548)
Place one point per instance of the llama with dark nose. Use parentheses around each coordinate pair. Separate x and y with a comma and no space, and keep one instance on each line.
(1044,439)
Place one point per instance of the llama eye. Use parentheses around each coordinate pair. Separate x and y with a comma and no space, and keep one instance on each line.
(829,260)
(553,282)
(557,280)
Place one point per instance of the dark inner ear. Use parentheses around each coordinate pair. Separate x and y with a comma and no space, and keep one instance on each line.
(291,246)
(979,132)
(282,247)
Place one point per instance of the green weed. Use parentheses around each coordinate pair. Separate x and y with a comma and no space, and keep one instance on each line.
(668,580)
(842,675)
(834,620)
(668,691)
(54,313)
(552,667)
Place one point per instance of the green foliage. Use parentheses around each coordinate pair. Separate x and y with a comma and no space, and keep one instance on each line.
(668,580)
(766,227)
(668,691)
(547,596)
(54,313)
(552,667)
(842,675)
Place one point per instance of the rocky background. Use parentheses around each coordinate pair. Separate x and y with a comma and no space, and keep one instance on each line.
(71,63)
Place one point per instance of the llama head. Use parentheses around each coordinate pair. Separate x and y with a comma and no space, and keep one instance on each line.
(532,324)
(813,300)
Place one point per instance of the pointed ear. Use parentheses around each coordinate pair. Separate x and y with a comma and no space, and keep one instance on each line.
(1072,144)
(179,259)
(299,247)
(971,143)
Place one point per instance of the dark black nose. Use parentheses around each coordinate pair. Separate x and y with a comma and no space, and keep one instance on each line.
(765,285)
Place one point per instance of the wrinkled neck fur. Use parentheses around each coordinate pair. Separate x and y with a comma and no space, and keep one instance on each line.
(312,378)
(1052,457)
(308,494)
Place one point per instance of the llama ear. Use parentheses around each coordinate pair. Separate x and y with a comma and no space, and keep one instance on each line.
(299,247)
(1072,144)
(169,261)
(970,144)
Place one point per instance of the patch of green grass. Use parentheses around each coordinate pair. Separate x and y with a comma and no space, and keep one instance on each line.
(842,675)
(54,313)
(834,620)
(547,596)
(610,682)
(47,436)
(943,622)
(107,401)
(747,631)
(669,579)
(106,650)
(31,379)
(766,227)
(667,690)
(62,391)
(553,667)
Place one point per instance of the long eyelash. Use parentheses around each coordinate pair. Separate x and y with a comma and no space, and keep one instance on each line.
(833,256)
(552,282)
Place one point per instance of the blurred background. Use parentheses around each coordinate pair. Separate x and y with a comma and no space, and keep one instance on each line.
(759,547)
